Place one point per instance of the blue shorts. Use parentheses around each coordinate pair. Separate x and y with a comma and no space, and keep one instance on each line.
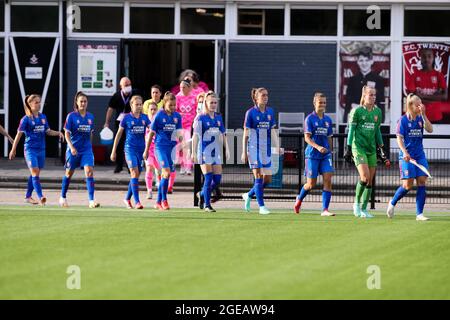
(259,160)
(135,159)
(165,159)
(35,158)
(314,167)
(410,171)
(81,160)
(209,158)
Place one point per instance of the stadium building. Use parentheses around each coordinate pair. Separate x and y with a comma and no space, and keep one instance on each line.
(293,48)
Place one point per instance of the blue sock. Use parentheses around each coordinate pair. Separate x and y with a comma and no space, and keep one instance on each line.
(165,187)
(37,186)
(252,192)
(259,191)
(160,187)
(303,194)
(90,187)
(206,190)
(29,187)
(420,199)
(216,178)
(130,192)
(65,186)
(326,197)
(400,193)
(135,189)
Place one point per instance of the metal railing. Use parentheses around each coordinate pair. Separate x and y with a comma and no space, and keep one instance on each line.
(238,178)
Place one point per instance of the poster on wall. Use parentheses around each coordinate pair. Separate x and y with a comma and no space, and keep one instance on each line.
(363,63)
(97,69)
(426,73)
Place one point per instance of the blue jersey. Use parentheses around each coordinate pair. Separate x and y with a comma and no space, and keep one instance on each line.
(209,130)
(412,133)
(80,129)
(135,131)
(35,129)
(165,128)
(260,125)
(320,130)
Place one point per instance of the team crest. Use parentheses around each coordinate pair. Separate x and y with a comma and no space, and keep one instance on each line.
(269,117)
(175,120)
(143,122)
(132,123)
(434,79)
(207,123)
(375,118)
(257,118)
(327,124)
(78,121)
(89,121)
(316,123)
(364,117)
(418,79)
(33,123)
(409,125)
(406,172)
(164,120)
(43,121)
(218,123)
(420,124)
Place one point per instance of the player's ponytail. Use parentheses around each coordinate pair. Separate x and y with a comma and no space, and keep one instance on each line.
(317,96)
(363,93)
(26,103)
(75,99)
(411,99)
(210,93)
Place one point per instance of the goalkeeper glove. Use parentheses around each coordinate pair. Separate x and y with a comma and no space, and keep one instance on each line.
(383,157)
(348,156)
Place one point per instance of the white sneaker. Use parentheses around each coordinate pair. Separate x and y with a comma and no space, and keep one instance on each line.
(128,204)
(189,172)
(421,217)
(356,210)
(63,202)
(390,210)
(150,194)
(247,201)
(326,213)
(93,204)
(182,171)
(263,210)
(365,214)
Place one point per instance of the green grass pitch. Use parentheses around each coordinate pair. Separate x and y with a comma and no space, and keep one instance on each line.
(188,254)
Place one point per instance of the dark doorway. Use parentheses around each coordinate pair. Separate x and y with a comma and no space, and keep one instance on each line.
(149,62)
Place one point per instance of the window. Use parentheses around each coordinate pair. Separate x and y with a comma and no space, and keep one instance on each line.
(359,23)
(28,18)
(101,19)
(314,22)
(203,21)
(427,23)
(261,22)
(152,20)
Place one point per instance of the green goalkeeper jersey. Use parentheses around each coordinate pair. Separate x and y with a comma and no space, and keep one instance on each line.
(366,127)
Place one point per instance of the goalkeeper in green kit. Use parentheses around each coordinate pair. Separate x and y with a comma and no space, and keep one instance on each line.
(364,140)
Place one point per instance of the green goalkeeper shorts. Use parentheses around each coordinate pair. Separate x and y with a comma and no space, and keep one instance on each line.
(361,157)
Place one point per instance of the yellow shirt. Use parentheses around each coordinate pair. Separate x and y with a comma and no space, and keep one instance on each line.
(147,105)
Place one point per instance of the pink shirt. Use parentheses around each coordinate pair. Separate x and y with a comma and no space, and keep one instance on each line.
(187,108)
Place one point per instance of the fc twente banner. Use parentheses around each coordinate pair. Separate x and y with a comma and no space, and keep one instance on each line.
(426,73)
(364,63)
